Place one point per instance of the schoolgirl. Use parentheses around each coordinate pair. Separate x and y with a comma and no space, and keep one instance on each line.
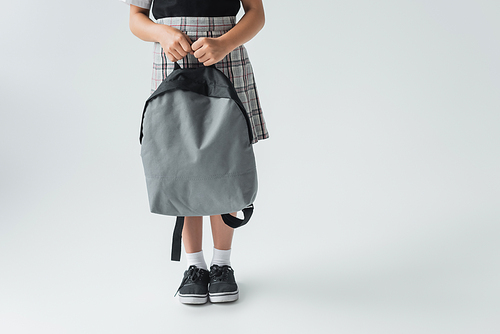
(197,33)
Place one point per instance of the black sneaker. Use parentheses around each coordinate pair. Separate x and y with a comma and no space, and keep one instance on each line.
(194,286)
(223,287)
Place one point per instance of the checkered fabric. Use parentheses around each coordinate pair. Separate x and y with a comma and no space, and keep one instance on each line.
(236,65)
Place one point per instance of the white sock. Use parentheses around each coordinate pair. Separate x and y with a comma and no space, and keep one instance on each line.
(221,257)
(196,259)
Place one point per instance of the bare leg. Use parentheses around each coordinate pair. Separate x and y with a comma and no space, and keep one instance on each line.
(221,233)
(192,234)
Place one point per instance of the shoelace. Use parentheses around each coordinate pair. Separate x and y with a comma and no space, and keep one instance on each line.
(219,273)
(193,274)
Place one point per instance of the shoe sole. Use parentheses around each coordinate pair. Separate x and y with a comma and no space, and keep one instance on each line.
(193,299)
(224,297)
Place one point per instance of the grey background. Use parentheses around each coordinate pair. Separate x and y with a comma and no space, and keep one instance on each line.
(379,186)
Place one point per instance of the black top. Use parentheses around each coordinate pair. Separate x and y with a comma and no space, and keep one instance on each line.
(173,8)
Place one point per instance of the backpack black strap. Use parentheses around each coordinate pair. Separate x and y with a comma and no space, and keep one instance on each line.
(229,220)
(177,239)
(178,67)
(235,222)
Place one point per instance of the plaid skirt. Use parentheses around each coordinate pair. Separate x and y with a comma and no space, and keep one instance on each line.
(235,65)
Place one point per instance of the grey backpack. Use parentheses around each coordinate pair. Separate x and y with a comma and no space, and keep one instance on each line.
(196,149)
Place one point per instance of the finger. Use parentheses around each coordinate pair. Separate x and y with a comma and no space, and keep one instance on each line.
(204,58)
(209,62)
(197,44)
(179,52)
(185,44)
(171,57)
(200,53)
(176,55)
(188,38)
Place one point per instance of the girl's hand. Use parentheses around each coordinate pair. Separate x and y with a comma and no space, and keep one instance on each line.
(210,50)
(175,43)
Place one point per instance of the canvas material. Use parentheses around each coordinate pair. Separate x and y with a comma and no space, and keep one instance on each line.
(197,157)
